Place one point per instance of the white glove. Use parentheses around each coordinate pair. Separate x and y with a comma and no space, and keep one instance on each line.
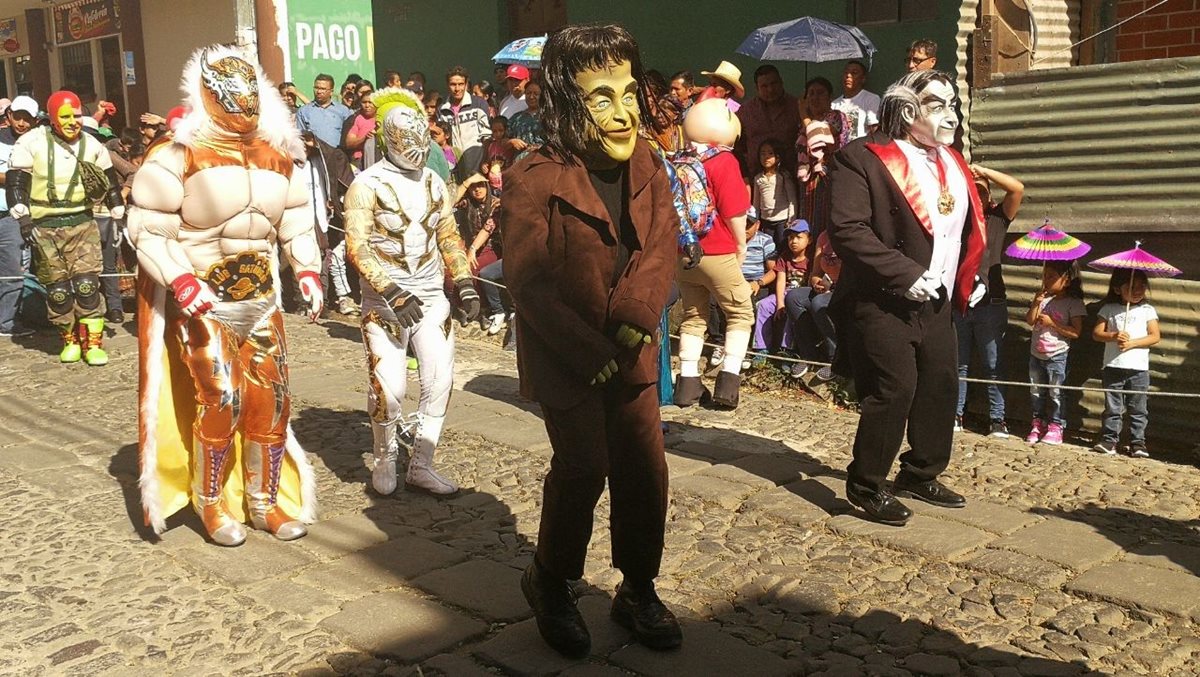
(18,211)
(925,288)
(312,293)
(977,294)
(117,212)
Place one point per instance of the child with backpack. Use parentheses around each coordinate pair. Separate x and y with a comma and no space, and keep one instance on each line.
(1056,316)
(1127,327)
(721,201)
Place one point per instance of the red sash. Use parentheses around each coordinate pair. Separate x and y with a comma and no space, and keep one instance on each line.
(896,163)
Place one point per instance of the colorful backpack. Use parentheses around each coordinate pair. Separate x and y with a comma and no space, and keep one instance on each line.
(690,183)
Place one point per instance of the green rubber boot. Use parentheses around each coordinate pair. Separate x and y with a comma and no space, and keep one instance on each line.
(93,351)
(71,351)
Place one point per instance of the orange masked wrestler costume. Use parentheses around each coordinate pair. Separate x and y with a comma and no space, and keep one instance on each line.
(214,205)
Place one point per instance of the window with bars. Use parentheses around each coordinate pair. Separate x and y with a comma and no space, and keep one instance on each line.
(868,12)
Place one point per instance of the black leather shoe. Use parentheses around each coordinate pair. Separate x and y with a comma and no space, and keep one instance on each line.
(725,392)
(689,390)
(558,619)
(115,315)
(931,491)
(881,506)
(639,610)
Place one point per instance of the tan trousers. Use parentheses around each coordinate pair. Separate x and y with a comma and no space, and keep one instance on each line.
(721,277)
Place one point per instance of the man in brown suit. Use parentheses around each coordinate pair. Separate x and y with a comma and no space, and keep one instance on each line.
(590,248)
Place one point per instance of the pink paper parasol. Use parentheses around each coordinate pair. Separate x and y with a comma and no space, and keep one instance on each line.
(1137,259)
(1047,243)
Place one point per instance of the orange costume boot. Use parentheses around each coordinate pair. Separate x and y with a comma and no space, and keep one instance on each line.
(211,470)
(263,463)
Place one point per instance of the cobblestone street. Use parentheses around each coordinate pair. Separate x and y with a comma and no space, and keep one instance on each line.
(1065,562)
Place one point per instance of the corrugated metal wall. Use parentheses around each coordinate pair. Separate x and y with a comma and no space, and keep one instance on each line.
(1110,153)
(1057,29)
(968,16)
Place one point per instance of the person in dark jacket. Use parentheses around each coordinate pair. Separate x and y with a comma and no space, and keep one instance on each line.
(908,226)
(590,248)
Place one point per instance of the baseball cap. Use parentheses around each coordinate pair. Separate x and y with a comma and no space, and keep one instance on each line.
(798,226)
(4,104)
(25,104)
(517,72)
(751,215)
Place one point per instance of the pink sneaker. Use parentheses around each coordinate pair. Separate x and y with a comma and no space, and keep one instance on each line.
(1035,431)
(1053,434)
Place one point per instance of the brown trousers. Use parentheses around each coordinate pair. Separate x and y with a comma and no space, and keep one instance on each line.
(614,433)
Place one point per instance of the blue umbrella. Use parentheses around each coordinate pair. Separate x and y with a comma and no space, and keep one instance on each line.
(808,39)
(525,52)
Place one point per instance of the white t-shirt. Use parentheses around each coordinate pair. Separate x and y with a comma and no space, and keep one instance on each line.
(510,106)
(861,110)
(1135,323)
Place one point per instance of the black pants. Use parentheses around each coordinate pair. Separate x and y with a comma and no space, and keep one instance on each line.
(614,433)
(905,362)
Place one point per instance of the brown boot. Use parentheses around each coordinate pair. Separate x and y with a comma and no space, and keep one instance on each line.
(688,391)
(725,393)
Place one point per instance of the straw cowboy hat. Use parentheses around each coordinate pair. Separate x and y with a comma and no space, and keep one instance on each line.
(729,73)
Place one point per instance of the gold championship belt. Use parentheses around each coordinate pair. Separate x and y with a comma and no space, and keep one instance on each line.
(241,277)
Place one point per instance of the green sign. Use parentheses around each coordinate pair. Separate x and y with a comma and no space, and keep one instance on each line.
(330,37)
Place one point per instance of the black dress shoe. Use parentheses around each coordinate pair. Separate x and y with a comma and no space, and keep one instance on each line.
(881,506)
(638,609)
(115,315)
(930,491)
(558,619)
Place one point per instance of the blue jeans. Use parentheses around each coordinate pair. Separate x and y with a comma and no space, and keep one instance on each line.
(110,250)
(493,272)
(800,302)
(11,245)
(1137,382)
(982,328)
(1047,402)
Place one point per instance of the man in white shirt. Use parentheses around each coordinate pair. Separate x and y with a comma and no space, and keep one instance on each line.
(516,77)
(860,106)
(902,268)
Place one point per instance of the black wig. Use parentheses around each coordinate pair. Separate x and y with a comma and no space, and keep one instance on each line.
(568,52)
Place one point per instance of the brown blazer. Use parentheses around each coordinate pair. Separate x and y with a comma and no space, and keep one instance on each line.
(559,254)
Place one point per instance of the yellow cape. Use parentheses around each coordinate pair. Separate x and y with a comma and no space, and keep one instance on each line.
(166,411)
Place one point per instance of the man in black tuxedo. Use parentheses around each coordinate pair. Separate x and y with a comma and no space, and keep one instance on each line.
(908,225)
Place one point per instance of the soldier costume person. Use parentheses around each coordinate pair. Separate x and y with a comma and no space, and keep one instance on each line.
(55,175)
(402,236)
(213,206)
(591,236)
(908,226)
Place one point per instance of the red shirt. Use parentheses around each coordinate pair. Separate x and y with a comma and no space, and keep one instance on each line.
(730,198)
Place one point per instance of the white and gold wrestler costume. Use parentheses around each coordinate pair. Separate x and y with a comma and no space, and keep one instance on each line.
(401,233)
(213,205)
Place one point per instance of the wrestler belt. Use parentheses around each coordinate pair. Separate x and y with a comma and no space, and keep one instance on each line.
(241,277)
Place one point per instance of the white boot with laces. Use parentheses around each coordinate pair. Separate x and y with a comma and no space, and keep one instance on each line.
(421,475)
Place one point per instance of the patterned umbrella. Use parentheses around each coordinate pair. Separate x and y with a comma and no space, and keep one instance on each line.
(1137,259)
(523,52)
(1047,243)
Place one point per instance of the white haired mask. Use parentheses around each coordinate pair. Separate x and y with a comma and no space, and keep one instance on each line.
(406,137)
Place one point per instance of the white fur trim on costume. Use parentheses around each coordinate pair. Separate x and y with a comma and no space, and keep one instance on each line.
(308,480)
(149,452)
(275,125)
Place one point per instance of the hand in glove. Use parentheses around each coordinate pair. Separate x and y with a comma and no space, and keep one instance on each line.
(407,306)
(20,212)
(977,293)
(312,292)
(692,253)
(607,372)
(193,296)
(117,212)
(925,288)
(468,311)
(629,336)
